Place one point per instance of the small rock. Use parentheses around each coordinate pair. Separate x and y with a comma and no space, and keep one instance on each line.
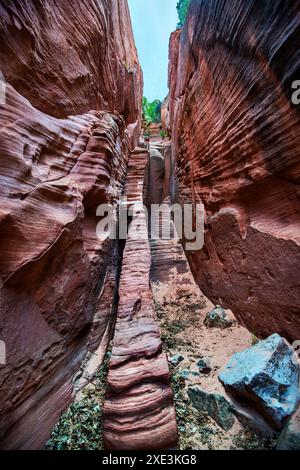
(289,438)
(195,374)
(214,404)
(204,364)
(267,377)
(217,318)
(176,359)
(186,374)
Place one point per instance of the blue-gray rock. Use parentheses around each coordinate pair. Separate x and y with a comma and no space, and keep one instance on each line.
(176,359)
(253,420)
(214,404)
(289,438)
(186,373)
(195,374)
(217,318)
(204,365)
(266,377)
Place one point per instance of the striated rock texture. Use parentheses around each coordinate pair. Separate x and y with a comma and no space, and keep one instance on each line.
(52,264)
(138,411)
(70,57)
(236,140)
(57,278)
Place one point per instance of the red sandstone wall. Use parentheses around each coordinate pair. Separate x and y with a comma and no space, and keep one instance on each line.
(58,58)
(236,142)
(68,57)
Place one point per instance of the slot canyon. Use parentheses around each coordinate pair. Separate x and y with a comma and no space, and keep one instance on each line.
(145,343)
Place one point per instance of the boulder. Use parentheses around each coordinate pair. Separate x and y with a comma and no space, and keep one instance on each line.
(253,420)
(265,376)
(289,438)
(214,404)
(217,318)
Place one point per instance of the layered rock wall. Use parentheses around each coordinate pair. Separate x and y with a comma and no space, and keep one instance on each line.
(236,141)
(71,57)
(138,410)
(59,58)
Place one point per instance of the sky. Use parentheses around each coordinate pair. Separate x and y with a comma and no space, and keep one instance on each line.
(152,22)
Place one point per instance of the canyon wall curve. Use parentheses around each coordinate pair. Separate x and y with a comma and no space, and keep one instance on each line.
(71,115)
(236,143)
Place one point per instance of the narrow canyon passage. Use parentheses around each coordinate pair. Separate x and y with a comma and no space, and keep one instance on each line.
(148,341)
(138,410)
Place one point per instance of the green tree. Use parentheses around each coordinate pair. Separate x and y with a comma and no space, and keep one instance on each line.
(151,111)
(182,9)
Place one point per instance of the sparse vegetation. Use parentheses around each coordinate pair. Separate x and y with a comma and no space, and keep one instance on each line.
(247,440)
(171,329)
(197,430)
(189,420)
(254,340)
(80,428)
(163,134)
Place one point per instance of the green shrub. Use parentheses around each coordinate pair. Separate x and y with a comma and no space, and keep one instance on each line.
(151,111)
(182,9)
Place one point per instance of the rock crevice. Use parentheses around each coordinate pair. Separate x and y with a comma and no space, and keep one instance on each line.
(138,411)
